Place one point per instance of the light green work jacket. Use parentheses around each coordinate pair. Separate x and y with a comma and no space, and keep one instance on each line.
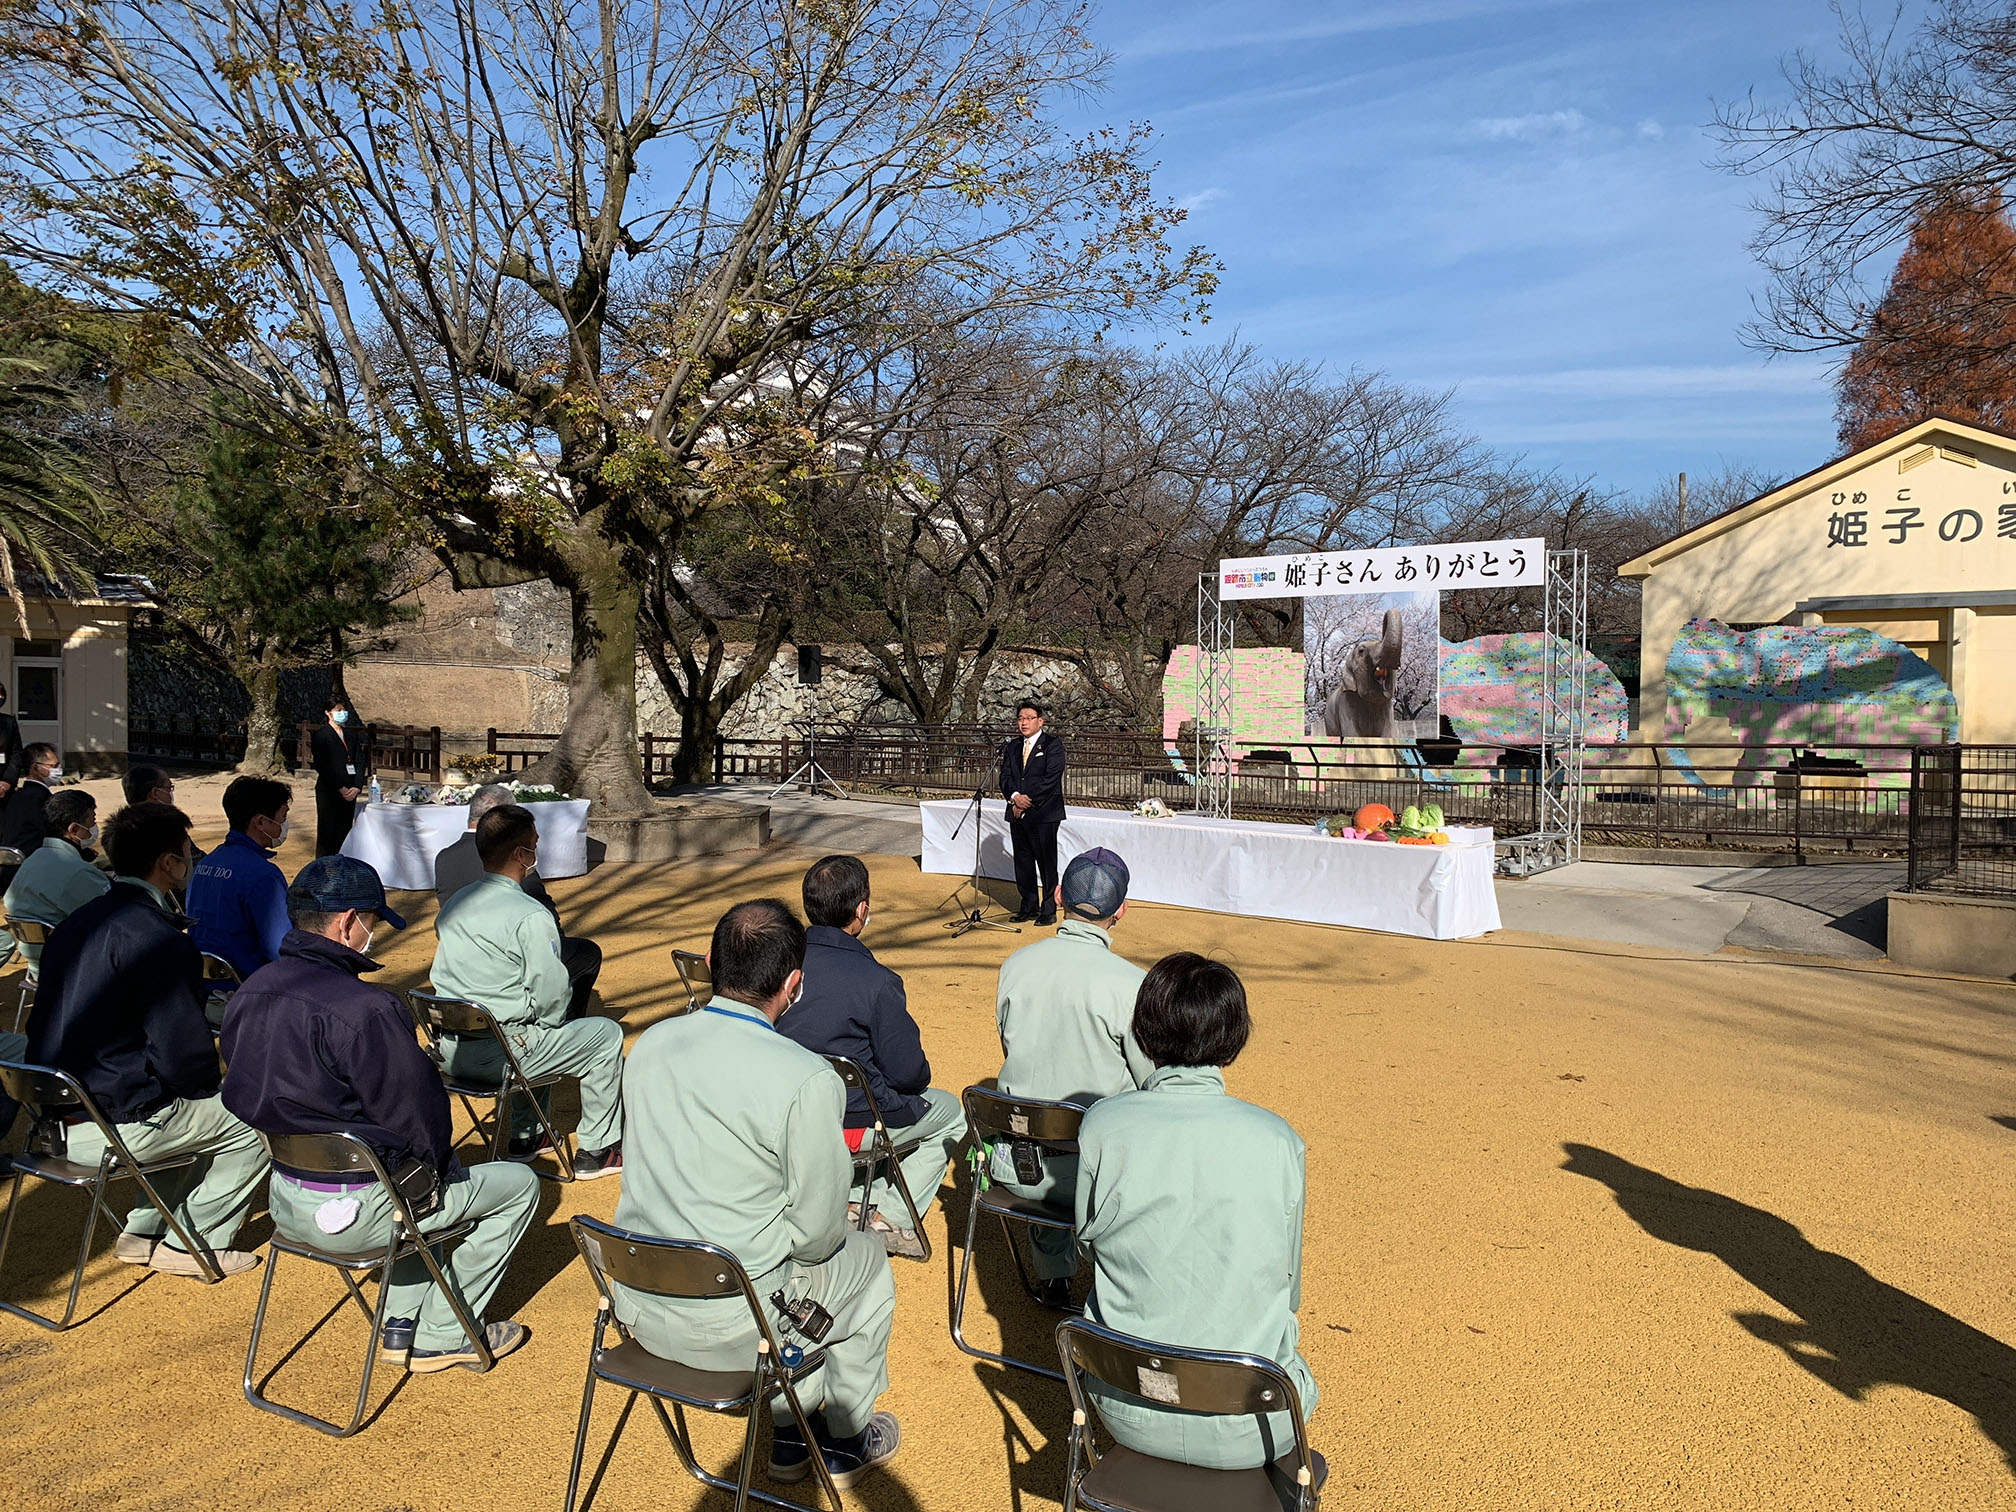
(731,1133)
(1190,1203)
(53,883)
(1065,1008)
(500,949)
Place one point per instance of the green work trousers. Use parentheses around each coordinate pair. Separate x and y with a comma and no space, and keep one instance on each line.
(212,1196)
(854,1284)
(501,1197)
(939,1132)
(1054,1252)
(588,1049)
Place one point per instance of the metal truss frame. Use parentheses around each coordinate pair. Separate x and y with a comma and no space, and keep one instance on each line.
(1556,839)
(1216,631)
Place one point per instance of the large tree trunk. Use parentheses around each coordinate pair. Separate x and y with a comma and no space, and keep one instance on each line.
(596,756)
(262,723)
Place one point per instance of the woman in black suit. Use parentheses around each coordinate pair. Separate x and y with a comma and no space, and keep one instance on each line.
(339,752)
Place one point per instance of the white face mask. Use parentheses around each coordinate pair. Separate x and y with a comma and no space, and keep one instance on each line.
(91,838)
(55,774)
(341,716)
(286,828)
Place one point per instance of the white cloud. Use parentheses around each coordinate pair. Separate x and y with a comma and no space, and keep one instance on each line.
(1651,130)
(1657,381)
(1526,128)
(1195,202)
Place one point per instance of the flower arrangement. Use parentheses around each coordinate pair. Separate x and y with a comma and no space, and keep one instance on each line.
(1152,808)
(479,766)
(521,792)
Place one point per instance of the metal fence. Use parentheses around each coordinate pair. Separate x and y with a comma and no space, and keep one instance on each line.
(413,749)
(182,741)
(1963,820)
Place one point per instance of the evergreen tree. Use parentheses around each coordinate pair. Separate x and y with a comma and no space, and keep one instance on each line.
(1944,335)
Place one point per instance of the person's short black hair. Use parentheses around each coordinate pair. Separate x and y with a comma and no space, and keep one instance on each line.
(335,700)
(35,751)
(1035,705)
(139,781)
(502,831)
(140,834)
(757,945)
(249,798)
(834,887)
(1191,1011)
(71,806)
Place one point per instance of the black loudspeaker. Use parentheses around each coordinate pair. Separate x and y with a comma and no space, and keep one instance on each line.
(811,665)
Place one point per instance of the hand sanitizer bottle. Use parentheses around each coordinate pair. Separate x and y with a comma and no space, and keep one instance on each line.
(377,793)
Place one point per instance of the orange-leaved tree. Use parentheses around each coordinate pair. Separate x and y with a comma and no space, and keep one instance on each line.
(1944,336)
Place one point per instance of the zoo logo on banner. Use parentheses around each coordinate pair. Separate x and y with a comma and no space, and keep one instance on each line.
(1466,564)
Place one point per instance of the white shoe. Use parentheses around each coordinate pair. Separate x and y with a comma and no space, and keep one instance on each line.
(173,1262)
(134,1249)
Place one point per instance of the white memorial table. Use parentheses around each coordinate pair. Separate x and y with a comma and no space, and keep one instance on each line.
(1241,866)
(400,840)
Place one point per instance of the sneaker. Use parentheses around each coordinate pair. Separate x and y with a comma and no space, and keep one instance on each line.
(134,1249)
(529,1148)
(900,1241)
(607,1161)
(395,1342)
(501,1337)
(1056,1292)
(790,1457)
(847,1460)
(174,1262)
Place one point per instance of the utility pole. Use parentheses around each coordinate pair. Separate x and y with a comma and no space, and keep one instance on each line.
(1683,502)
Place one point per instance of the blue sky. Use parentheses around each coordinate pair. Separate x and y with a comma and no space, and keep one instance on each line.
(1511,197)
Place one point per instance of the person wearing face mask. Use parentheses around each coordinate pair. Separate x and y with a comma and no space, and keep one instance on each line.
(500,949)
(342,771)
(25,824)
(237,896)
(120,1007)
(854,1006)
(313,1048)
(59,878)
(735,1139)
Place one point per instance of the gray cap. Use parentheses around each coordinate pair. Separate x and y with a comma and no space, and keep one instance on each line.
(336,884)
(1095,884)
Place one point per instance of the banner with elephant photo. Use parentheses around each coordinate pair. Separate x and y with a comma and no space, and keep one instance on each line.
(1372,665)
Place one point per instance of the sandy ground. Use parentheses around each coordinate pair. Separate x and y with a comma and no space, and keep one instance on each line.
(1589,1227)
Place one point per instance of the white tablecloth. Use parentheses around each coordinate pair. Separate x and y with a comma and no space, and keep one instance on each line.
(401,839)
(1240,866)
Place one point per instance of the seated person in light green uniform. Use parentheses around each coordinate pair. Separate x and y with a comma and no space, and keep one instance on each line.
(1190,1204)
(735,1138)
(500,949)
(58,878)
(1064,1006)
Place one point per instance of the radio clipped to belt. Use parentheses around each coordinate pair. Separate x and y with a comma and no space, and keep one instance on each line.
(806,1318)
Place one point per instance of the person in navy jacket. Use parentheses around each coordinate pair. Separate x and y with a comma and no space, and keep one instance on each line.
(237,896)
(1032,780)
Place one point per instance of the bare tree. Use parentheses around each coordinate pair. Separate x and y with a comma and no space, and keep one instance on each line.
(1903,121)
(528,256)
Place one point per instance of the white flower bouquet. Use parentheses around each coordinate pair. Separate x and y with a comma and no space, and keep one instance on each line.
(1153,808)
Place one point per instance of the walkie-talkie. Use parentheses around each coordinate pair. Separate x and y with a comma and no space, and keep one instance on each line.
(1028,1160)
(806,1317)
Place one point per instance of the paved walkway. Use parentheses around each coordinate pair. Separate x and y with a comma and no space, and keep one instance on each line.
(1826,910)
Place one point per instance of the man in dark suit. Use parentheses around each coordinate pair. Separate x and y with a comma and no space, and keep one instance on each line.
(459,866)
(1032,780)
(23,824)
(10,747)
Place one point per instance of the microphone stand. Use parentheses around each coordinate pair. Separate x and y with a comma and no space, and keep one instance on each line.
(975,902)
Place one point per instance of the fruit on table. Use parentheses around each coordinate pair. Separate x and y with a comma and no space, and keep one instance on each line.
(1377,834)
(1372,818)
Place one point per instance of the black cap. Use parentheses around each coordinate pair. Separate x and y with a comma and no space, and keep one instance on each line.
(1095,884)
(336,884)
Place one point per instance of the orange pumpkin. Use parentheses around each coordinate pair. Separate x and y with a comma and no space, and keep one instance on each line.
(1374,816)
(1412,840)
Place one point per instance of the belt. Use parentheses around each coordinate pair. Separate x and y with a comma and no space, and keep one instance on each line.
(326,1186)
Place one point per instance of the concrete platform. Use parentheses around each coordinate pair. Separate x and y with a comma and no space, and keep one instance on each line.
(1947,932)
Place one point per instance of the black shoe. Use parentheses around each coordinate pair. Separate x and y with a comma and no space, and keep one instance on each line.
(395,1344)
(529,1148)
(1056,1292)
(1022,916)
(589,1164)
(1046,920)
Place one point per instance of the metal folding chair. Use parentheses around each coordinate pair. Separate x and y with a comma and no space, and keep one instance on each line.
(436,1015)
(1198,1381)
(330,1157)
(56,1096)
(26,932)
(694,976)
(880,1152)
(991,1115)
(220,980)
(687,1268)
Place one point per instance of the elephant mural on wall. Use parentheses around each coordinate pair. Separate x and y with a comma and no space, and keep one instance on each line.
(1361,703)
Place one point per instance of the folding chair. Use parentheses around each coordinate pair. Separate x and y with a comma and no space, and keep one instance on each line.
(55,1096)
(27,932)
(881,1153)
(436,1015)
(687,1268)
(1198,1381)
(694,976)
(220,980)
(990,1115)
(330,1157)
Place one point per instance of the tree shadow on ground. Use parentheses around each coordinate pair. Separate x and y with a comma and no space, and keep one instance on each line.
(1853,1331)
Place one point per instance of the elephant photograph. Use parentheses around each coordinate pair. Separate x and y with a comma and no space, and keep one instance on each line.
(1373,665)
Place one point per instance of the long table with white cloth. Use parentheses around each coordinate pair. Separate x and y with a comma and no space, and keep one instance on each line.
(400,840)
(1243,866)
